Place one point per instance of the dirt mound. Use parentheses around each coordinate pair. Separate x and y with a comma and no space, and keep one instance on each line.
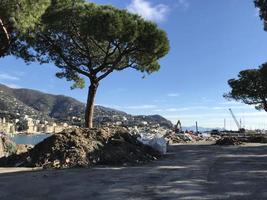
(22,148)
(182,138)
(7,146)
(228,141)
(256,139)
(83,148)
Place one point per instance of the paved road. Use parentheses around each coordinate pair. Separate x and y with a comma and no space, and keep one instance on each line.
(188,172)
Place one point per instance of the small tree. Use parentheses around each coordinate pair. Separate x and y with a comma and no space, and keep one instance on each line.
(250,87)
(16,18)
(87,40)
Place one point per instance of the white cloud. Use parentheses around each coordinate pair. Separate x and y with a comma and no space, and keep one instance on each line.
(197,108)
(231,103)
(176,109)
(252,114)
(206,100)
(140,107)
(160,101)
(183,3)
(157,110)
(186,109)
(227,107)
(173,95)
(4,76)
(11,85)
(148,11)
(117,91)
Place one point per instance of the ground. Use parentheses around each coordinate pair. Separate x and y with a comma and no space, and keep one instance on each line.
(199,171)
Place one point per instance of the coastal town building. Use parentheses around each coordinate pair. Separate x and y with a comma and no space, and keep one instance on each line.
(6,126)
(33,126)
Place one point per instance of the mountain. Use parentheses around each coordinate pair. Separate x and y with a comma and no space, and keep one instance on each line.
(16,103)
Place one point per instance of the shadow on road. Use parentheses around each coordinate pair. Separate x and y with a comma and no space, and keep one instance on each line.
(187,172)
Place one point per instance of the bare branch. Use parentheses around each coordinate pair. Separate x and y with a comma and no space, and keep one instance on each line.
(105,74)
(117,60)
(58,50)
(82,51)
(7,38)
(96,44)
(112,69)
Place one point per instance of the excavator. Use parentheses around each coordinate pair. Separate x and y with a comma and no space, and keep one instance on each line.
(178,127)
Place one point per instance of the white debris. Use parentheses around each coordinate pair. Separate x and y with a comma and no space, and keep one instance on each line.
(155,141)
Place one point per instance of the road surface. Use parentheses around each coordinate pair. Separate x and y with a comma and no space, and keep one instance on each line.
(187,172)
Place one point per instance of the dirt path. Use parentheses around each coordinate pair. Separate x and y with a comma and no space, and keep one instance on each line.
(188,172)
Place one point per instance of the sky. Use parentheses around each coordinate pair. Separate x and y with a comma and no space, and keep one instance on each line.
(211,41)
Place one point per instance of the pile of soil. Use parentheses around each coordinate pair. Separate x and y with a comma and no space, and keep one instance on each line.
(256,139)
(83,148)
(7,146)
(22,148)
(229,141)
(173,137)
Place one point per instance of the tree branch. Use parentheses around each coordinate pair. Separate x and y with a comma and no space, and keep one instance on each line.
(82,51)
(105,74)
(96,44)
(112,69)
(58,50)
(117,60)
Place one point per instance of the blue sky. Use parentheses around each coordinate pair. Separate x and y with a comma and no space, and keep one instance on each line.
(211,41)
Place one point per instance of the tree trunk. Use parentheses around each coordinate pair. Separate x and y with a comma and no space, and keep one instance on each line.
(265,107)
(5,39)
(89,112)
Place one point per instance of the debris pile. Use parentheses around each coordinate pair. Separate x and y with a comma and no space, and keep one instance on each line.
(229,141)
(155,141)
(154,130)
(22,148)
(173,138)
(83,148)
(256,139)
(212,138)
(7,146)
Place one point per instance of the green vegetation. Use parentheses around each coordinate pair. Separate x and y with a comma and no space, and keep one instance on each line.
(250,87)
(17,103)
(262,5)
(17,17)
(80,38)
(92,41)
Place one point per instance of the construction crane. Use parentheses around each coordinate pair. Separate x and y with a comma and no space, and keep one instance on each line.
(240,129)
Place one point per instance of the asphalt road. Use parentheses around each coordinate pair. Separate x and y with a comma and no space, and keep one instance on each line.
(187,172)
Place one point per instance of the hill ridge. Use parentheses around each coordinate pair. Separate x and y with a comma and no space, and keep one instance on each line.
(45,106)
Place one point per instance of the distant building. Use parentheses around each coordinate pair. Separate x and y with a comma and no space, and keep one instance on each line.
(33,126)
(6,126)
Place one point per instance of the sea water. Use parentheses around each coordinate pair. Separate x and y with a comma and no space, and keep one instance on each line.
(29,139)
